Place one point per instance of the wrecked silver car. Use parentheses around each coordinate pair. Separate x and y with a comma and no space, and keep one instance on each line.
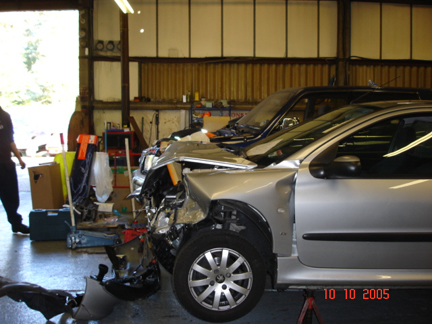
(340,201)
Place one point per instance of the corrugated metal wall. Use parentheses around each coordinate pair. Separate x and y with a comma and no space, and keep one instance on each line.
(409,75)
(243,82)
(252,82)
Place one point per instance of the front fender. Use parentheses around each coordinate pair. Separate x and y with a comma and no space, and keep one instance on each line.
(269,191)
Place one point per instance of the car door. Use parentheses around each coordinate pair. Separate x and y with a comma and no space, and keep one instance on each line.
(381,219)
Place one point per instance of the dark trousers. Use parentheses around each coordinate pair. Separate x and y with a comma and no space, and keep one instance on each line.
(9,194)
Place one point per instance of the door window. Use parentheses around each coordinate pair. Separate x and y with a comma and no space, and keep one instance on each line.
(399,147)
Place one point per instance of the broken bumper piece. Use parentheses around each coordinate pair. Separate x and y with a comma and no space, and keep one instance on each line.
(137,276)
(96,303)
(49,302)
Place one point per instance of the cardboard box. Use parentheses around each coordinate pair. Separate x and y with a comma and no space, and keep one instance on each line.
(46,186)
(121,189)
(121,204)
(212,124)
(121,177)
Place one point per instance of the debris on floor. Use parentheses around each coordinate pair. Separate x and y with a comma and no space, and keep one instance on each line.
(136,276)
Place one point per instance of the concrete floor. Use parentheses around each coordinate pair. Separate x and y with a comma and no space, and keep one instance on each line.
(52,265)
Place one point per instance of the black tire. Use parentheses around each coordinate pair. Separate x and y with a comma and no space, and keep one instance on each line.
(230,291)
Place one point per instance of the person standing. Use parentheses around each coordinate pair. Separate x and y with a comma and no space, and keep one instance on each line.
(9,193)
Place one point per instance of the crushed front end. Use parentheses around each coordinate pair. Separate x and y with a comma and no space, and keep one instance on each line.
(173,214)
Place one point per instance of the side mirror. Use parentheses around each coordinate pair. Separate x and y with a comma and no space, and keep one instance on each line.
(347,166)
(289,122)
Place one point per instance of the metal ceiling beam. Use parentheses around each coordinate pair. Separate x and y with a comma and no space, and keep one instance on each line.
(35,5)
(418,2)
(31,5)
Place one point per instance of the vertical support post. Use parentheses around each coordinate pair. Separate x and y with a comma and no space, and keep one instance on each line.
(91,90)
(343,41)
(125,85)
(130,176)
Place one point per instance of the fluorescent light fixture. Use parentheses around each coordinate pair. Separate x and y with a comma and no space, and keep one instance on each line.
(124,6)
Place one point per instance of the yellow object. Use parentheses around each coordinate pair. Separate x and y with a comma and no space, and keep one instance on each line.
(174,178)
(197,96)
(70,157)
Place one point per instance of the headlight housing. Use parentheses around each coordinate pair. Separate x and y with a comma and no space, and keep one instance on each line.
(149,160)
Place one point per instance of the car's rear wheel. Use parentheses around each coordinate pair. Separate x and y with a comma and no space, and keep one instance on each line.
(218,276)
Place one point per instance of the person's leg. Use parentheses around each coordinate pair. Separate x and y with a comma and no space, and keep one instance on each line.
(9,195)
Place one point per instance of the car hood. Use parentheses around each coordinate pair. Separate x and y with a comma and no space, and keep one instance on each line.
(197,152)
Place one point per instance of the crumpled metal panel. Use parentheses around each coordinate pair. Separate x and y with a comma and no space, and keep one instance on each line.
(190,213)
(197,152)
(130,258)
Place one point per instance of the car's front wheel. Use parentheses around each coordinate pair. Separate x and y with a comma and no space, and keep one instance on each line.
(218,276)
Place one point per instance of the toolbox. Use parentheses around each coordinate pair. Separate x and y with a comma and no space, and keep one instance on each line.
(49,224)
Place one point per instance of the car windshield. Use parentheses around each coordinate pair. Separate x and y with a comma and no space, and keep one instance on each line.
(265,111)
(278,147)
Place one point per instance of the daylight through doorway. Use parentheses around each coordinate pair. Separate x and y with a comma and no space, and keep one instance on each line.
(39,71)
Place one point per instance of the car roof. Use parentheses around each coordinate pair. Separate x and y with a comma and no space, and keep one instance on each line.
(403,104)
(353,88)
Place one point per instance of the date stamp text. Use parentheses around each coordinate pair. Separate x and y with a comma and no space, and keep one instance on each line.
(364,294)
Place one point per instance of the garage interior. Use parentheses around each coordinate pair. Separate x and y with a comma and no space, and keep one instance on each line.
(156,64)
